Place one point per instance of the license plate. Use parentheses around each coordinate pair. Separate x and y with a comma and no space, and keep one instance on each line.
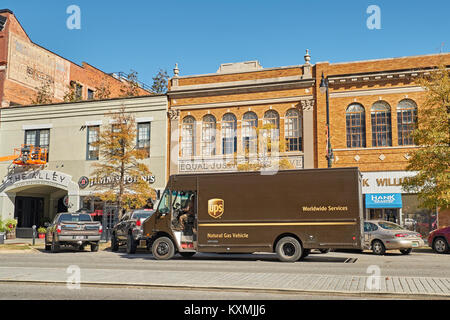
(78,237)
(415,244)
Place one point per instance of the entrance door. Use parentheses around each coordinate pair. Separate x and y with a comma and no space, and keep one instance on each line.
(28,211)
(386,214)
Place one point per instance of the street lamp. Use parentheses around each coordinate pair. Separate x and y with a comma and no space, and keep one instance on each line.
(324,89)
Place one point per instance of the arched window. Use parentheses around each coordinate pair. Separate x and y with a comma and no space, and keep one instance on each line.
(249,134)
(271,131)
(293,130)
(229,139)
(355,118)
(381,124)
(208,135)
(188,137)
(406,121)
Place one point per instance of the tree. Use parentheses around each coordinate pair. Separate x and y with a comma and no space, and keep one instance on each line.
(44,94)
(130,87)
(268,155)
(103,91)
(120,164)
(71,94)
(432,160)
(160,82)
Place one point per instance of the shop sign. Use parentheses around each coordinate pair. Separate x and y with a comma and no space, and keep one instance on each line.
(385,182)
(43,177)
(383,200)
(83,182)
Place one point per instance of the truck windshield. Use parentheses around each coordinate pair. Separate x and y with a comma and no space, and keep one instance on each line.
(164,204)
(142,214)
(74,218)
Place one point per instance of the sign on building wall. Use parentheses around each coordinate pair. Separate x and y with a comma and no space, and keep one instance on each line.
(37,177)
(385,182)
(33,66)
(383,200)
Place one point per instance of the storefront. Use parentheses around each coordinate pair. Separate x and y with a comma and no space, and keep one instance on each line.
(385,199)
(34,194)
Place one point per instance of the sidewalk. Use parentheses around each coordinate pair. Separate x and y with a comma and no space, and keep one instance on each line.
(406,287)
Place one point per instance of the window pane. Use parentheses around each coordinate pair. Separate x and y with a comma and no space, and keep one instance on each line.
(143,137)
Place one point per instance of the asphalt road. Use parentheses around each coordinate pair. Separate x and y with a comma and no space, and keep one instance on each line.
(417,264)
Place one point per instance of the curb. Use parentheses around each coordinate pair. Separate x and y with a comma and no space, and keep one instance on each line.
(380,294)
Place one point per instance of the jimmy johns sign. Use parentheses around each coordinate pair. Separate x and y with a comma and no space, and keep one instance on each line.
(84,182)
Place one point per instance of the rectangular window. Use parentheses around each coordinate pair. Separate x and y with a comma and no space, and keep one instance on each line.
(92,136)
(78,91)
(38,138)
(90,93)
(143,137)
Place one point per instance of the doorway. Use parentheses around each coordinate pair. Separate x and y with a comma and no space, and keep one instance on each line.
(387,214)
(28,211)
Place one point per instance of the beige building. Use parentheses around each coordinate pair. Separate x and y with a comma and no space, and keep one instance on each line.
(35,195)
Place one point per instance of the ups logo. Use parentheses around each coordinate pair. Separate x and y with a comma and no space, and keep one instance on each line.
(215,208)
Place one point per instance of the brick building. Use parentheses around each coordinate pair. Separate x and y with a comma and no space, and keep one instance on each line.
(373,107)
(25,67)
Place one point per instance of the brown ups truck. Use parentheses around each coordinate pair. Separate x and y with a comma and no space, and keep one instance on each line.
(289,213)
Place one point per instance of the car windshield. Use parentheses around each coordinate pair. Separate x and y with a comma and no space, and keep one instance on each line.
(142,214)
(389,226)
(74,217)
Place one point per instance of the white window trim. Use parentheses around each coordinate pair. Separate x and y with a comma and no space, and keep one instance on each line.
(147,119)
(37,126)
(93,123)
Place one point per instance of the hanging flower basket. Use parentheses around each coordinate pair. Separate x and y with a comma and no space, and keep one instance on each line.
(10,226)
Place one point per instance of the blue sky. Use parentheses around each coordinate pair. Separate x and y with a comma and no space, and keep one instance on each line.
(145,35)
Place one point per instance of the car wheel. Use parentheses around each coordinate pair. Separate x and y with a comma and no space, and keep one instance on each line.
(440,245)
(187,254)
(114,243)
(131,245)
(324,250)
(163,248)
(55,245)
(378,247)
(289,249)
(406,251)
(48,247)
(94,246)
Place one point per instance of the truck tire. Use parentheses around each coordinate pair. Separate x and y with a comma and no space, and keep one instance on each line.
(378,247)
(94,246)
(440,245)
(114,243)
(55,245)
(187,254)
(163,248)
(289,249)
(131,244)
(305,253)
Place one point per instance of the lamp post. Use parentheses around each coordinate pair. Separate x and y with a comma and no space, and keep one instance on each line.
(324,89)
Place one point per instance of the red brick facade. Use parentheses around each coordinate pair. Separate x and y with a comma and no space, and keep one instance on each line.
(14,92)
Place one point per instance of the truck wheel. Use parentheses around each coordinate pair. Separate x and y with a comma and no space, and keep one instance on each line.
(163,248)
(288,249)
(114,243)
(187,254)
(94,246)
(55,245)
(440,245)
(378,247)
(131,245)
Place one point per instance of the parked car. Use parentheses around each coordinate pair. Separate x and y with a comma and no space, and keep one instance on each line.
(128,231)
(380,236)
(439,240)
(72,229)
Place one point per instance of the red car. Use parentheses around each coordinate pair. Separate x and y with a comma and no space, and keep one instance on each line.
(439,240)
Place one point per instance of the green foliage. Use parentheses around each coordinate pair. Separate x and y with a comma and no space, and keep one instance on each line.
(42,230)
(10,224)
(160,82)
(71,94)
(2,226)
(432,160)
